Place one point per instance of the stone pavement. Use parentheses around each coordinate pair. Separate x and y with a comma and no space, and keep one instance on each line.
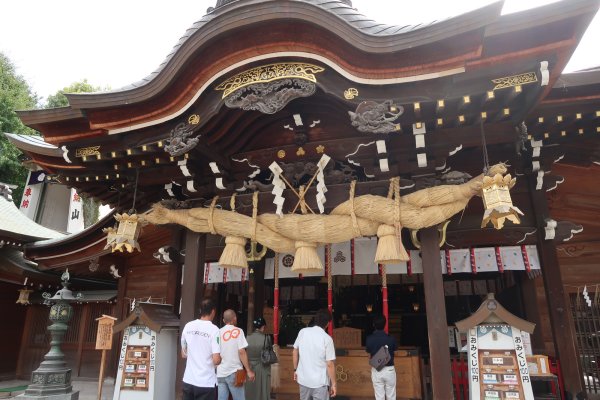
(88,389)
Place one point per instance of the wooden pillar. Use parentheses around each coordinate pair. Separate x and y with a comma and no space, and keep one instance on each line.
(558,306)
(439,352)
(192,290)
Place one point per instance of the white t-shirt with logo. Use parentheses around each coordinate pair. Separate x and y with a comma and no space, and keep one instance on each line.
(232,340)
(201,340)
(316,348)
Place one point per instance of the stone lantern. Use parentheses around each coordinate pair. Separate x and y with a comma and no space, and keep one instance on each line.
(52,379)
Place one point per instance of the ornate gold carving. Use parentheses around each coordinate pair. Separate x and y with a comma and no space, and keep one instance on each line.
(300,152)
(320,149)
(269,73)
(281,154)
(194,119)
(515,80)
(350,93)
(87,151)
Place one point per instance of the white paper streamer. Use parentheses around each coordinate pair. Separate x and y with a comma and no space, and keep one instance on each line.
(66,154)
(169,189)
(183,167)
(190,186)
(321,188)
(214,167)
(278,187)
(545,73)
(219,183)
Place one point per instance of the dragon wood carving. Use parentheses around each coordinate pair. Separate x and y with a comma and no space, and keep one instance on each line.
(372,117)
(270,97)
(180,141)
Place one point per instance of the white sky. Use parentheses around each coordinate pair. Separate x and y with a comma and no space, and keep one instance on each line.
(117,42)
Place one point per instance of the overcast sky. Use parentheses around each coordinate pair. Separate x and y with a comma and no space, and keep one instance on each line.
(117,42)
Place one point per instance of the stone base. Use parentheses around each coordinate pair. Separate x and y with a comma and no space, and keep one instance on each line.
(66,396)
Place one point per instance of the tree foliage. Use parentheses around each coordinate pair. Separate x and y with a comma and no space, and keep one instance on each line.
(90,207)
(60,100)
(15,94)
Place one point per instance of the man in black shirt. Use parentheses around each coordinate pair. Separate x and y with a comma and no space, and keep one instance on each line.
(384,381)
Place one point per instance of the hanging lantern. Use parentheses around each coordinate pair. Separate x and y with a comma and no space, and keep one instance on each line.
(497,202)
(125,236)
(24,296)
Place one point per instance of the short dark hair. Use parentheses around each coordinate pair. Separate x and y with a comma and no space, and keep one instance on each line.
(206,307)
(322,318)
(379,322)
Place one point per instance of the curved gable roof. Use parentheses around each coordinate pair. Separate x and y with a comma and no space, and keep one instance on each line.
(334,15)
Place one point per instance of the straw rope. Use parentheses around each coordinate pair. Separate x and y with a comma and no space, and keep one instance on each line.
(383,276)
(211,224)
(232,202)
(355,226)
(254,214)
(356,217)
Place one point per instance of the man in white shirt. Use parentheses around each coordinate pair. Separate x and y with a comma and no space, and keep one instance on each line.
(314,360)
(234,358)
(200,345)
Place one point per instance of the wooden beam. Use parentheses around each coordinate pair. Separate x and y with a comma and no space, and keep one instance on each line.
(192,290)
(558,305)
(439,353)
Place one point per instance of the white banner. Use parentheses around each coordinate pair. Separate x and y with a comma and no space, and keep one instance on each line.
(364,260)
(75,216)
(341,259)
(522,363)
(364,256)
(473,364)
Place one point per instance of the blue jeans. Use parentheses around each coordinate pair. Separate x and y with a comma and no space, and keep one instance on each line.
(226,387)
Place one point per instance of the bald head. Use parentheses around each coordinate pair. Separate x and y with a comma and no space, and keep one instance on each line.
(230,317)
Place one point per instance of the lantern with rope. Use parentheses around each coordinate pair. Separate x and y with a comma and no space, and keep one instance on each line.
(125,235)
(496,195)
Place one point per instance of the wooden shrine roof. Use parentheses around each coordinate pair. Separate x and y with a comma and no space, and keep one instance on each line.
(17,229)
(492,311)
(154,316)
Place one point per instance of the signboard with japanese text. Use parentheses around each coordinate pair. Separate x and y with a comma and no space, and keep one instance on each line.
(497,363)
(32,194)
(75,217)
(104,335)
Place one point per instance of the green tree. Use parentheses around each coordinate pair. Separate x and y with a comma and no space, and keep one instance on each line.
(15,94)
(90,207)
(60,100)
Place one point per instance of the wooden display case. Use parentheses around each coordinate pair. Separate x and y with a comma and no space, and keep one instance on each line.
(136,373)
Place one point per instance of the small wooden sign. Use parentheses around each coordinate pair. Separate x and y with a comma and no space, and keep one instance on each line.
(347,338)
(104,336)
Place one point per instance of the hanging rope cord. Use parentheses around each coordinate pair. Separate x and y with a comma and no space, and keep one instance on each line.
(137,174)
(486,159)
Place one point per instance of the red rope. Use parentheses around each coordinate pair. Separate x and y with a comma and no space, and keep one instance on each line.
(276,316)
(473,266)
(448,266)
(499,260)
